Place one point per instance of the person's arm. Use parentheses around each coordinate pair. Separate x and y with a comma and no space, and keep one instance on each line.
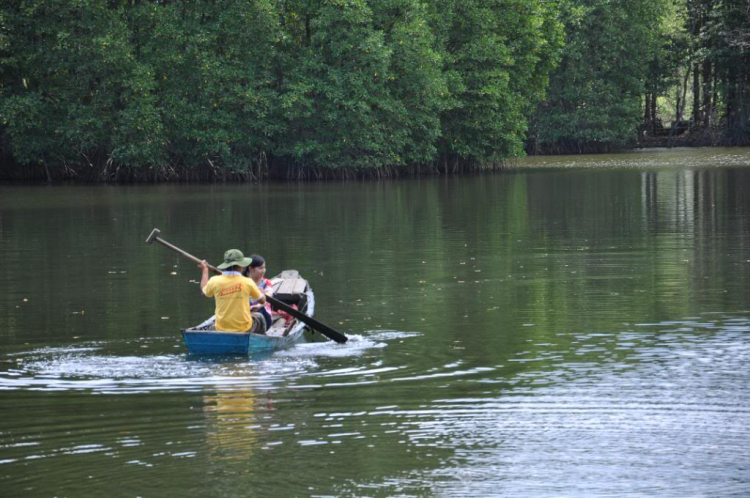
(256,293)
(204,277)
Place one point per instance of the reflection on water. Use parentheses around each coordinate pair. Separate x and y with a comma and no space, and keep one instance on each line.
(232,429)
(581,328)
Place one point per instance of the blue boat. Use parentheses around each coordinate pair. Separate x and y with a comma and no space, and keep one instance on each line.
(288,287)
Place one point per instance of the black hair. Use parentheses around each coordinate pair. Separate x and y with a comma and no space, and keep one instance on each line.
(257,261)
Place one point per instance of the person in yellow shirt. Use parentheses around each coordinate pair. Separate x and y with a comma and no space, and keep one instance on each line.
(232,292)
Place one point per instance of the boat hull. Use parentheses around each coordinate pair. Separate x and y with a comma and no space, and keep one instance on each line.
(231,343)
(203,339)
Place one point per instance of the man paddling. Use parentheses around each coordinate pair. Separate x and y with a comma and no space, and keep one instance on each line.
(232,293)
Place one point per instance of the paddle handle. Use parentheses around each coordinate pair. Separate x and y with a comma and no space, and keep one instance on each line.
(186,254)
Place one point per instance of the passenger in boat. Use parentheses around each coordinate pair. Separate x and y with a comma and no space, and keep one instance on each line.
(232,292)
(256,271)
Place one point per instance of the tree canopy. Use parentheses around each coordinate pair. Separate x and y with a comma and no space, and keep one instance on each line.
(625,75)
(125,90)
(107,90)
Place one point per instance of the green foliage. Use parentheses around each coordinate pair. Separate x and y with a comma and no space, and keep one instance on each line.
(212,66)
(416,81)
(669,50)
(339,107)
(243,89)
(594,99)
(499,55)
(725,44)
(237,89)
(70,93)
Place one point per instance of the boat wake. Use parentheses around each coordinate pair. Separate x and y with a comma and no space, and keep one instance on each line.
(115,366)
(355,346)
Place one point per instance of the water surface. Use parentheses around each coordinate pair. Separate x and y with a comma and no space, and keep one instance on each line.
(573,326)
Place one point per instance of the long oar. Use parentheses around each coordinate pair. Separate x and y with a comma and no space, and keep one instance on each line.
(312,322)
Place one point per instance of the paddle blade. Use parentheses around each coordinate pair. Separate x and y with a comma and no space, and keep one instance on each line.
(308,320)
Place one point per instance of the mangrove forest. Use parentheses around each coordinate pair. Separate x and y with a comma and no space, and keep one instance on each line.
(251,90)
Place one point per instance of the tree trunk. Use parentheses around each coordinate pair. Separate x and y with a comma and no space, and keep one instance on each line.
(715,95)
(729,109)
(696,94)
(706,93)
(680,106)
(681,110)
(46,170)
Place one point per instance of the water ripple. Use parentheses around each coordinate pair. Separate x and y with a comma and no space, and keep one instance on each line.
(97,367)
(650,409)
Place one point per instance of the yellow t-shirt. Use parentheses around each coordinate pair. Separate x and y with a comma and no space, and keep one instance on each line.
(232,294)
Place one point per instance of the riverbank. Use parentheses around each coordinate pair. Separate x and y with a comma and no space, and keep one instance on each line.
(658,156)
(643,158)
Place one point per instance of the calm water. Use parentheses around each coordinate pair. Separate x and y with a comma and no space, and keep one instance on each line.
(575,326)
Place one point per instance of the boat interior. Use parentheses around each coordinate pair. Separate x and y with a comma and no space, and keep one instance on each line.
(290,288)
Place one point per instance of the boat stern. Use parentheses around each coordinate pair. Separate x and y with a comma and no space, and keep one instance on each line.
(201,342)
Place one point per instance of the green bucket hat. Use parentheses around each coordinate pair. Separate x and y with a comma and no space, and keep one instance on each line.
(234,257)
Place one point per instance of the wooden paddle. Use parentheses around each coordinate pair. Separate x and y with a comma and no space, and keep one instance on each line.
(306,319)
